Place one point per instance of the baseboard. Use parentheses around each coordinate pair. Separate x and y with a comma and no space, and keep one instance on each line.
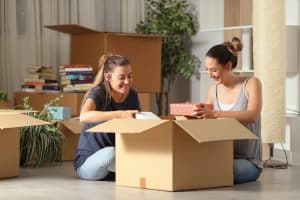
(293,157)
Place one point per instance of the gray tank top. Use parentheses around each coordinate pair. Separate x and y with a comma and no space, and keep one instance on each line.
(245,149)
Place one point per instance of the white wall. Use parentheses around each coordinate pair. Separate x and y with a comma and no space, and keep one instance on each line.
(292,55)
(292,12)
(210,16)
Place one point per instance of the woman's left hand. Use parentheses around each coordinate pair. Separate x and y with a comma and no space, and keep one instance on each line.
(201,112)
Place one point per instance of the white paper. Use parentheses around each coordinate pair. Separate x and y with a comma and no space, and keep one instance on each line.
(146,115)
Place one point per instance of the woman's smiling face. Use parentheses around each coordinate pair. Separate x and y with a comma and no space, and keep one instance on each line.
(120,79)
(215,70)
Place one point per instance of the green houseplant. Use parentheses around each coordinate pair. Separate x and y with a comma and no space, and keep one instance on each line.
(3,95)
(171,19)
(4,102)
(41,145)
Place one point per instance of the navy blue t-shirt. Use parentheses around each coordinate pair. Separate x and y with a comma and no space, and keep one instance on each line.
(89,143)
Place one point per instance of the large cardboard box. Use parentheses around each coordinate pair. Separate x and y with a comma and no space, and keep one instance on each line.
(143,52)
(10,122)
(174,155)
(37,100)
(145,101)
(5,104)
(71,130)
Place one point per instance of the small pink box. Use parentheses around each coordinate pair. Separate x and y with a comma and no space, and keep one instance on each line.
(186,109)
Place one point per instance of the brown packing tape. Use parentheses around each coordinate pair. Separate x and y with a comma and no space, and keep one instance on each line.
(143,182)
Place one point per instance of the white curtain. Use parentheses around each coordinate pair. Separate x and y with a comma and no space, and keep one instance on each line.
(24,40)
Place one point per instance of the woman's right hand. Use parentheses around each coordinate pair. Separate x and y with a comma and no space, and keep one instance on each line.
(127,114)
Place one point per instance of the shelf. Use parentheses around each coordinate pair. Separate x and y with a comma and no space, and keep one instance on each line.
(227,28)
(235,71)
(244,71)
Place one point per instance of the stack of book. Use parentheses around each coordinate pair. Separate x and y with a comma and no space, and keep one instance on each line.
(76,77)
(40,79)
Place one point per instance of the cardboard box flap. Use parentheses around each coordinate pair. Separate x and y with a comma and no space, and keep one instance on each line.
(215,129)
(71,29)
(73,125)
(11,111)
(135,35)
(127,125)
(18,120)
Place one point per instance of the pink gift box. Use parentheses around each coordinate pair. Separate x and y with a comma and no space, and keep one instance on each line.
(186,109)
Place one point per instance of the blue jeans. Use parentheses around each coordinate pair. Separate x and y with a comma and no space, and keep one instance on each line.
(98,165)
(245,171)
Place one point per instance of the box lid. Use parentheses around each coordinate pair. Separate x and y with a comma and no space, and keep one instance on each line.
(201,130)
(11,111)
(73,125)
(71,29)
(18,120)
(127,125)
(215,129)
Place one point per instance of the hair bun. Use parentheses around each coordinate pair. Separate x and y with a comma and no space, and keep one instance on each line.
(234,46)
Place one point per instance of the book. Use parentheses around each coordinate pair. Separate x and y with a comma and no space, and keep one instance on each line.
(79,69)
(74,66)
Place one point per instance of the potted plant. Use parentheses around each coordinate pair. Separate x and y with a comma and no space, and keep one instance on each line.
(41,145)
(4,103)
(171,19)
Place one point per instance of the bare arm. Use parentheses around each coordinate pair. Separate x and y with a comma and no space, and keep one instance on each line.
(254,92)
(209,98)
(89,114)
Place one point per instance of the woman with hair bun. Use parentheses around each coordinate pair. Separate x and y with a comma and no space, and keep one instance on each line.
(235,97)
(111,96)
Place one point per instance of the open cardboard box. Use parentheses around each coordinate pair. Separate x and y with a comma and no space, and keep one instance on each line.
(71,129)
(143,52)
(174,155)
(10,122)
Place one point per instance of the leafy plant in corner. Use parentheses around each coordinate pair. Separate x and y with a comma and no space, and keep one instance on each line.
(41,145)
(171,19)
(3,95)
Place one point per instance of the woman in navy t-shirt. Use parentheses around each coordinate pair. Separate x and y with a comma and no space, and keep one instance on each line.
(110,97)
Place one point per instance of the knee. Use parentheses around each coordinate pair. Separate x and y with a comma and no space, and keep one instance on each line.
(245,171)
(87,175)
(109,151)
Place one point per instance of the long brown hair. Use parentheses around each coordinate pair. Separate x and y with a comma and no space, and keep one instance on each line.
(107,63)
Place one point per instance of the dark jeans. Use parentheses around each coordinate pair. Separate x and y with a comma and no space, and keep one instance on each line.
(245,171)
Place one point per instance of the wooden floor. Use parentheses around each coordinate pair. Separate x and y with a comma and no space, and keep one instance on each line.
(61,183)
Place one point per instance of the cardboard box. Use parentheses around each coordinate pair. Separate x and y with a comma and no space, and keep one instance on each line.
(145,101)
(37,100)
(10,122)
(186,109)
(5,104)
(71,129)
(143,52)
(174,155)
(60,113)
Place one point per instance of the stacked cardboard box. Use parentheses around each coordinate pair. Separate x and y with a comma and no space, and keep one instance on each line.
(143,52)
(37,100)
